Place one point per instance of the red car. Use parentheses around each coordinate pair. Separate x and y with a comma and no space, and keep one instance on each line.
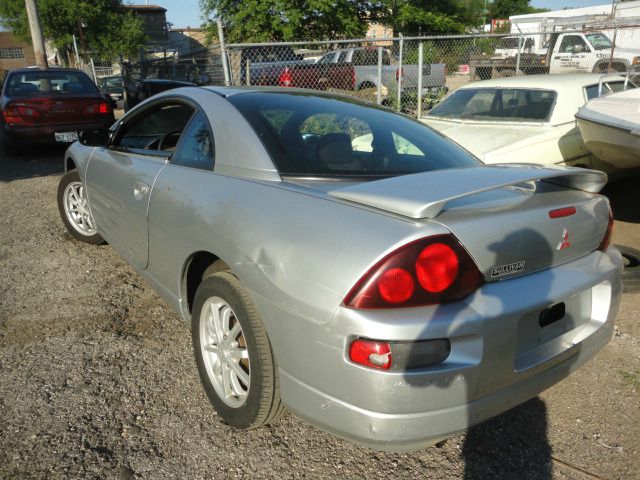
(50,106)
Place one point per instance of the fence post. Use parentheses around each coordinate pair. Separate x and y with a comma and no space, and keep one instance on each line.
(379,89)
(223,53)
(75,49)
(518,55)
(93,70)
(247,74)
(420,66)
(399,73)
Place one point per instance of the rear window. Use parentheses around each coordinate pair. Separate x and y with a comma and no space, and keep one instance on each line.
(497,104)
(309,135)
(607,88)
(37,81)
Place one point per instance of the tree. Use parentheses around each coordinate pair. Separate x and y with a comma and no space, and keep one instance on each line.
(506,8)
(282,20)
(411,17)
(103,27)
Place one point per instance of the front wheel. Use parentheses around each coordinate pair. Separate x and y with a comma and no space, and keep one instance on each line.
(233,354)
(73,206)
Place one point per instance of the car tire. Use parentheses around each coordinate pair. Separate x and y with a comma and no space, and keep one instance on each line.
(631,272)
(74,209)
(233,354)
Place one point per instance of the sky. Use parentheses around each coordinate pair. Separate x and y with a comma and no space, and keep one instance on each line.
(186,13)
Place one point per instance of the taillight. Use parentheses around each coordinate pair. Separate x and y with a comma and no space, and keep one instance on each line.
(429,271)
(607,235)
(285,79)
(371,353)
(399,355)
(399,73)
(19,114)
(353,78)
(102,107)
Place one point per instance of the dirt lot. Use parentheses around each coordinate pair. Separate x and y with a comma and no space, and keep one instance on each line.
(97,379)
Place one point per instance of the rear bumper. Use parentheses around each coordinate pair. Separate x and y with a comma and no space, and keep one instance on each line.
(46,133)
(500,357)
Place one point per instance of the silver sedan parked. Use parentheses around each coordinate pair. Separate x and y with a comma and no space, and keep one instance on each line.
(392,293)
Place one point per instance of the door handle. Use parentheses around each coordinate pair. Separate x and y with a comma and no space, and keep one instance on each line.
(140,190)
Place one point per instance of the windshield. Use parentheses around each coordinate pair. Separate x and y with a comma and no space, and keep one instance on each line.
(508,43)
(312,135)
(599,41)
(38,81)
(497,104)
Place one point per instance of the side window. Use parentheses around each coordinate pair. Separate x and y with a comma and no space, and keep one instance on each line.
(573,44)
(343,56)
(156,129)
(327,58)
(196,150)
(404,146)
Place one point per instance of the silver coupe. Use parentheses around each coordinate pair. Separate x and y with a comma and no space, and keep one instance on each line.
(392,293)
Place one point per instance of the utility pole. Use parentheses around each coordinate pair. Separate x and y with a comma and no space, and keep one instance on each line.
(36,34)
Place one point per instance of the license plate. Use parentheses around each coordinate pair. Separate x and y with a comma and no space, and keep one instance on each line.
(66,137)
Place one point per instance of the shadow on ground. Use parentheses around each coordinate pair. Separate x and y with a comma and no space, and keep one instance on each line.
(511,445)
(35,162)
(625,198)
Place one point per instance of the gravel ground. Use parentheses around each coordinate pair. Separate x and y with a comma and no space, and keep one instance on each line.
(97,380)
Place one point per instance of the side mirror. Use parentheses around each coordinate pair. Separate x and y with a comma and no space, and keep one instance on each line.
(95,138)
(578,49)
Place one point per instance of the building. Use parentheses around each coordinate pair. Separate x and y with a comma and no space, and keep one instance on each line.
(14,53)
(154,20)
(625,16)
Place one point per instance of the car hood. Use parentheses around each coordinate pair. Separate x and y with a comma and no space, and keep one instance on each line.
(482,138)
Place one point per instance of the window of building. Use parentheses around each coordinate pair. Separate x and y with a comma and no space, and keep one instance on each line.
(11,53)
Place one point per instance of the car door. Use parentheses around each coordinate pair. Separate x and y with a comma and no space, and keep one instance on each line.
(572,55)
(176,214)
(120,177)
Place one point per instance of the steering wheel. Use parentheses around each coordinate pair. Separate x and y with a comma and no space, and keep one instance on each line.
(164,140)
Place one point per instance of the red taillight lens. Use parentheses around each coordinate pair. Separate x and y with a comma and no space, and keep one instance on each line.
(285,79)
(371,353)
(437,267)
(429,271)
(94,108)
(399,73)
(607,235)
(19,114)
(396,285)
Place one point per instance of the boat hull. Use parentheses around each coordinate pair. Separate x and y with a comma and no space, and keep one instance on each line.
(618,147)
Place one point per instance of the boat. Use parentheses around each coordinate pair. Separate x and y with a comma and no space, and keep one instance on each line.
(610,128)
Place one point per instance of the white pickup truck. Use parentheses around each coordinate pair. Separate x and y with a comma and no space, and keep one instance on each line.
(365,65)
(575,52)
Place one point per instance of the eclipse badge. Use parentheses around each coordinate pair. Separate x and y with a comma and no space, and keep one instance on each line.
(507,269)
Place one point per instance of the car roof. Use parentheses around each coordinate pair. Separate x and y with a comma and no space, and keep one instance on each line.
(38,69)
(569,88)
(557,82)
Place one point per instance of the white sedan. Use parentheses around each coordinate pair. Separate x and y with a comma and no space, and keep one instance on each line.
(528,119)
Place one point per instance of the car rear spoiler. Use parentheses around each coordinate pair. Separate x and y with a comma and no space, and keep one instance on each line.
(425,194)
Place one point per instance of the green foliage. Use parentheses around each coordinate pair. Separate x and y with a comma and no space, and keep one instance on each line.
(506,8)
(412,17)
(102,27)
(280,20)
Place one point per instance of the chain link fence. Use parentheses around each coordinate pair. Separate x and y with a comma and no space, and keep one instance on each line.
(407,74)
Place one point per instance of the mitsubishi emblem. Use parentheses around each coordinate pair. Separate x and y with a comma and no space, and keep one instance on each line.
(564,242)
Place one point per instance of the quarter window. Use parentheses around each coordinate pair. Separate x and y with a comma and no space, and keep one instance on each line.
(196,150)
